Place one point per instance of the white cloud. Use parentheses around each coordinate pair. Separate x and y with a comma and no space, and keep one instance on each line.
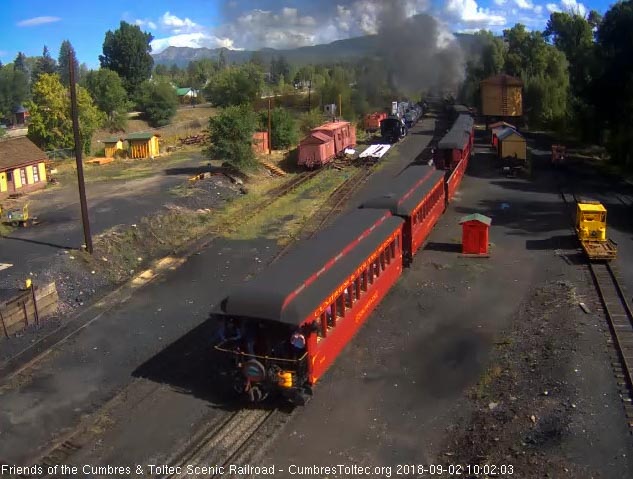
(467,11)
(145,23)
(538,9)
(574,7)
(524,4)
(31,22)
(571,6)
(499,2)
(178,25)
(193,40)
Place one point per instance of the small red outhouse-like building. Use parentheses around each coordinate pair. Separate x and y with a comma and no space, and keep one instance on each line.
(475,229)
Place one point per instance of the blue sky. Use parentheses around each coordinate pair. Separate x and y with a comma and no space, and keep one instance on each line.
(29,25)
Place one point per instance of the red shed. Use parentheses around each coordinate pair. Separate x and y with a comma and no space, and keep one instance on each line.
(316,149)
(260,142)
(475,234)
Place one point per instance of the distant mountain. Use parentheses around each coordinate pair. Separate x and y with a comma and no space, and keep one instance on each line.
(348,49)
(336,51)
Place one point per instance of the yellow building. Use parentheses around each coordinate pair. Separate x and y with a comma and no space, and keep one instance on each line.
(511,144)
(112,146)
(143,145)
(22,166)
(501,95)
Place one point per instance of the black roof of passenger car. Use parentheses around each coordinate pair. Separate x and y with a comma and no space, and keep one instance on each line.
(458,135)
(407,190)
(293,287)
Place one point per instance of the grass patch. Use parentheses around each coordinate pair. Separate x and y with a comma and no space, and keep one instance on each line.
(488,378)
(285,217)
(125,170)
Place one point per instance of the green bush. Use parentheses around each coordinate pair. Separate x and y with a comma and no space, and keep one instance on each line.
(284,132)
(231,137)
(159,102)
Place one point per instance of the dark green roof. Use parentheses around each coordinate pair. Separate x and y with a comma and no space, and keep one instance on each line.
(140,136)
(182,91)
(113,140)
(476,217)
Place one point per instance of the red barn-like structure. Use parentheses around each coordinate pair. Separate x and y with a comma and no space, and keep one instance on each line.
(475,229)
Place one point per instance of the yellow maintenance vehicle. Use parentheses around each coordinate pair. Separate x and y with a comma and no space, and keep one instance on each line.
(591,227)
(17,216)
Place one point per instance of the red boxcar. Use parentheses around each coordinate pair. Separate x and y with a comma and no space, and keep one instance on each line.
(418,196)
(300,312)
(372,121)
(342,135)
(314,148)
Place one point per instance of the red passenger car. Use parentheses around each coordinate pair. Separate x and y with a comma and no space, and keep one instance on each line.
(286,326)
(418,196)
(342,135)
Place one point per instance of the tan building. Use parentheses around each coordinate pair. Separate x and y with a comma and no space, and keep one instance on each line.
(22,166)
(511,144)
(502,96)
(143,145)
(112,145)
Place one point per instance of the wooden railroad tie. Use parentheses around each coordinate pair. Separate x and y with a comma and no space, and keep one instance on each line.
(273,168)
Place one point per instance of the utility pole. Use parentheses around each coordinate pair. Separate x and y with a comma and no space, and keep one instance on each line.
(310,95)
(340,107)
(78,152)
(270,138)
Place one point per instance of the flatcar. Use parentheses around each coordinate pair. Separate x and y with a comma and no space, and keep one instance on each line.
(418,196)
(325,143)
(393,129)
(591,228)
(288,324)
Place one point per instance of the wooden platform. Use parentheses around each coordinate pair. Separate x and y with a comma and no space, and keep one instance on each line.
(99,161)
(26,308)
(600,250)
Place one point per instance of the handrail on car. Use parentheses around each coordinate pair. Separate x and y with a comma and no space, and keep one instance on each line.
(240,353)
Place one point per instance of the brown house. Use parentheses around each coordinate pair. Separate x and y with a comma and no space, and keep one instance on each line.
(22,166)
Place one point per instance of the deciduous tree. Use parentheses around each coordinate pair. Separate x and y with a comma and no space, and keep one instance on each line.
(284,132)
(236,85)
(159,102)
(50,118)
(108,93)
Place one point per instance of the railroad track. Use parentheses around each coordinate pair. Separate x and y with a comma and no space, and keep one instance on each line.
(234,440)
(619,318)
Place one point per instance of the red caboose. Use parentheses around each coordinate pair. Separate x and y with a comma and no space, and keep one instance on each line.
(314,150)
(372,121)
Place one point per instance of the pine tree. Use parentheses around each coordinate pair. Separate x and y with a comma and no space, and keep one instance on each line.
(44,64)
(66,52)
(19,63)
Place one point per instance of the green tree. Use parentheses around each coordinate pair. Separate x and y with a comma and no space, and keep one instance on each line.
(107,90)
(20,63)
(310,120)
(222,62)
(66,52)
(235,85)
(44,64)
(50,124)
(14,89)
(231,136)
(283,128)
(159,102)
(612,92)
(127,52)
